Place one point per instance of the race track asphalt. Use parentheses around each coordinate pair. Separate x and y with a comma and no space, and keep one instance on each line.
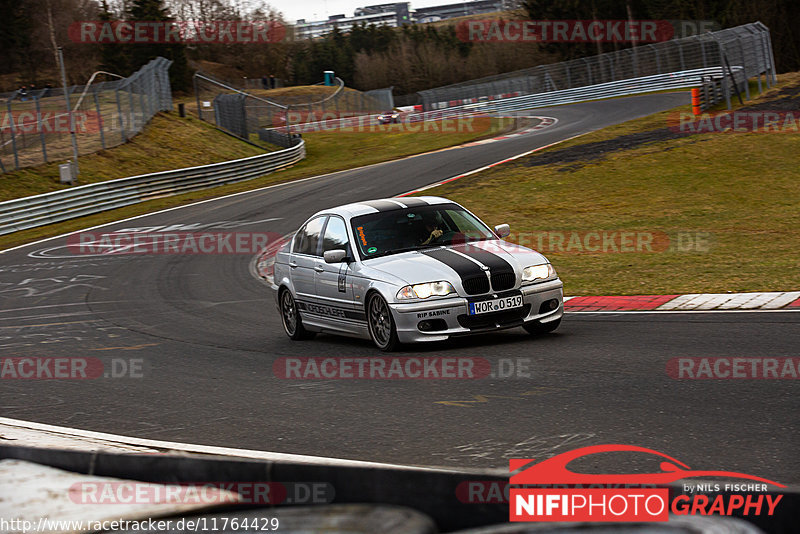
(206,333)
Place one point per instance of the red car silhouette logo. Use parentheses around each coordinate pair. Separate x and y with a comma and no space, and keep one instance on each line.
(554,470)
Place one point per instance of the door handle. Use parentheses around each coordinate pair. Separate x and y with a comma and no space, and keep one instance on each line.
(293,264)
(319,268)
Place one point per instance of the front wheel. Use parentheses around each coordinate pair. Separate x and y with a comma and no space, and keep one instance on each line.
(382,329)
(290,318)
(535,328)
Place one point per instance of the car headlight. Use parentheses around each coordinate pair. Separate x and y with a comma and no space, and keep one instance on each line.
(423,291)
(538,272)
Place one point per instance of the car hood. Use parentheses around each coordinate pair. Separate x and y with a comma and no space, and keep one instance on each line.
(431,265)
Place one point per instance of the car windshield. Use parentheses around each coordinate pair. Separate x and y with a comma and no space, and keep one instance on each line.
(401,230)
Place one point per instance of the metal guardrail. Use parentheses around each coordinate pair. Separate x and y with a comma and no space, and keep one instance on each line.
(250,113)
(633,86)
(40,210)
(748,46)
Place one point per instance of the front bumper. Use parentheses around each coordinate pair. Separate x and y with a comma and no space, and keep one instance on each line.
(451,314)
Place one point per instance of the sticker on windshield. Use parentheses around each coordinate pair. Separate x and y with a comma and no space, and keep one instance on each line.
(361,236)
(372,250)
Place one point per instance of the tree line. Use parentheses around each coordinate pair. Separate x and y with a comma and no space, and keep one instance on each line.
(411,58)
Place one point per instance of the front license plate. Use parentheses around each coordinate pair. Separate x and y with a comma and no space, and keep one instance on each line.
(495,305)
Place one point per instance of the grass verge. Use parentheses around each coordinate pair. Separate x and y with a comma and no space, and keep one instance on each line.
(326,152)
(721,210)
(168,142)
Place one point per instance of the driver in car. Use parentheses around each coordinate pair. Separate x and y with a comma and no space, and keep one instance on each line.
(432,229)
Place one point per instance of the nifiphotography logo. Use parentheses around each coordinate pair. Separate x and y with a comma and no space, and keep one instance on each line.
(563,495)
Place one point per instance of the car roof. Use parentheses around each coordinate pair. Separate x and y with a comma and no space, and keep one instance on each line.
(366,207)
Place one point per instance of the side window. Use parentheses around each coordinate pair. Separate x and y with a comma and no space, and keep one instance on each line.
(459,220)
(335,235)
(308,238)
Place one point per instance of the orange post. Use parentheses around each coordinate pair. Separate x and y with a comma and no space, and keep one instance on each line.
(696,101)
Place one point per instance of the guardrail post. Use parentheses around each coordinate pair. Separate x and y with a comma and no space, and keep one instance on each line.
(588,70)
(142,101)
(41,130)
(13,135)
(771,64)
(197,97)
(123,135)
(132,123)
(548,80)
(726,90)
(99,120)
(744,69)
(702,50)
(757,45)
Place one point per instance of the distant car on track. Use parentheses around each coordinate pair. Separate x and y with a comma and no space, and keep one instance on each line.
(407,270)
(390,117)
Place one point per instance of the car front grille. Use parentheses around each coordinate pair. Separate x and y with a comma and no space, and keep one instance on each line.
(476,285)
(492,320)
(503,281)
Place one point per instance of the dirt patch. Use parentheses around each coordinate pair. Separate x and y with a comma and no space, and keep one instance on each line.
(787,99)
(599,149)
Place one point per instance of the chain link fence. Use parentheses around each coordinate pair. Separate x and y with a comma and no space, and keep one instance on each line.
(36,126)
(741,53)
(247,114)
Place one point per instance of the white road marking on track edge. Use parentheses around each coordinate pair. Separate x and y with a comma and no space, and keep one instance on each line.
(220,451)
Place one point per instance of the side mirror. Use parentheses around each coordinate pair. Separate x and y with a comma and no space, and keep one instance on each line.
(502,230)
(335,256)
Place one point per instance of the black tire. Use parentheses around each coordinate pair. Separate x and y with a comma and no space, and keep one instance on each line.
(290,317)
(381,325)
(535,328)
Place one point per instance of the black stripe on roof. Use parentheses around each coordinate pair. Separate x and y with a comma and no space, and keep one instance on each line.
(382,205)
(413,202)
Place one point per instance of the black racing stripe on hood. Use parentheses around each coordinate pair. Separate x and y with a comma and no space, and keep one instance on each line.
(494,262)
(413,202)
(382,205)
(473,277)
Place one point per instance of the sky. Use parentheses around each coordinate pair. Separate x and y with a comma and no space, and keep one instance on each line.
(321,9)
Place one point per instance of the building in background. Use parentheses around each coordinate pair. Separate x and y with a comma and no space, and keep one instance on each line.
(392,15)
(462,9)
(396,14)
